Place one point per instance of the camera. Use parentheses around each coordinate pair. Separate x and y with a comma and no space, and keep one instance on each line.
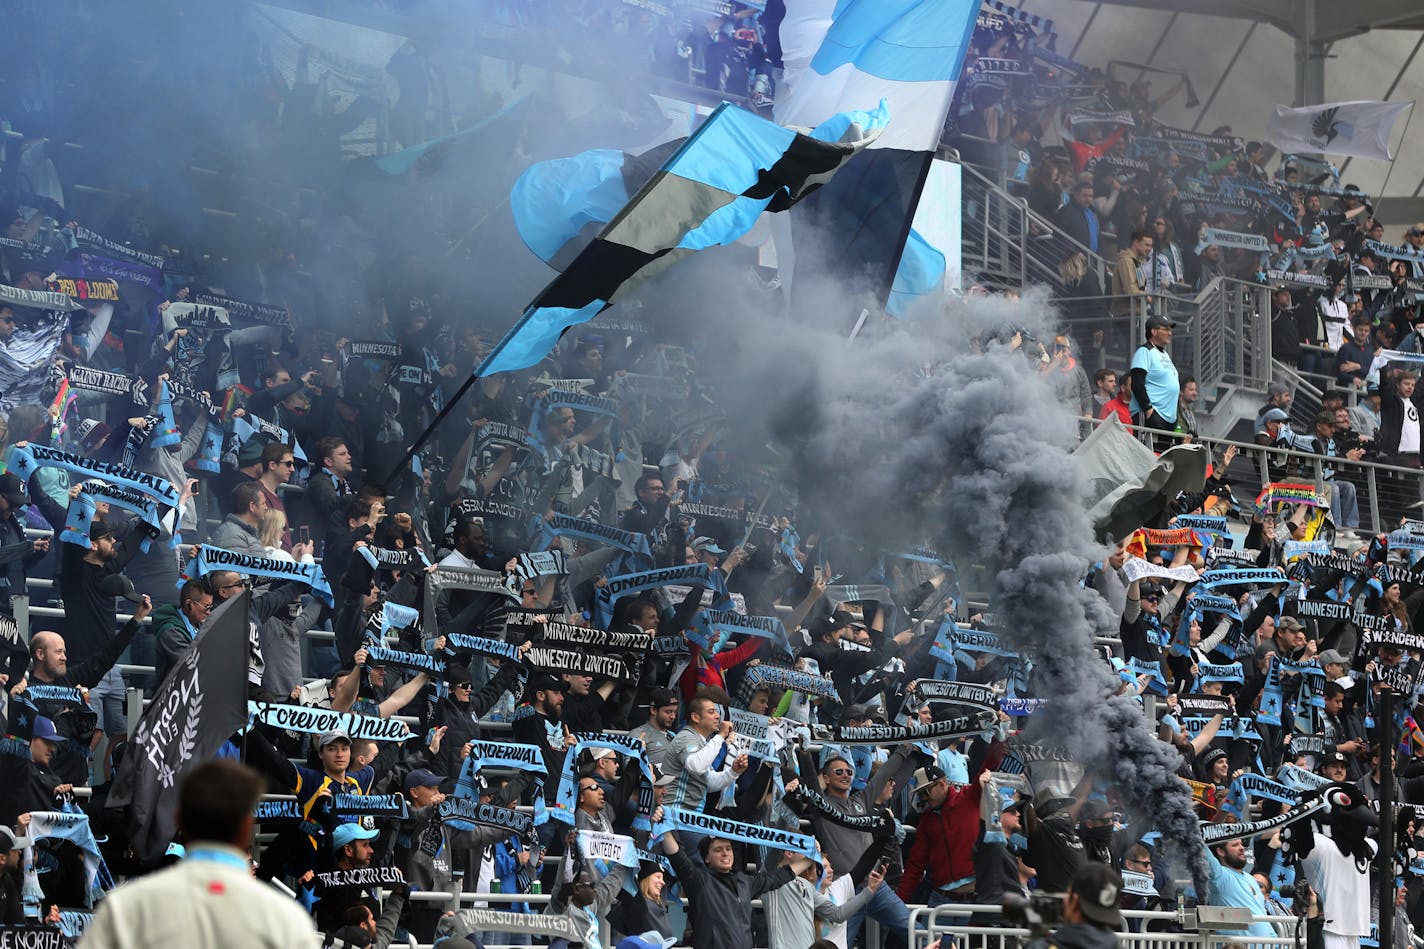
(1039,913)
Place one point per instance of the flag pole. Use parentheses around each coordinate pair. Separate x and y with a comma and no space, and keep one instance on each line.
(424,436)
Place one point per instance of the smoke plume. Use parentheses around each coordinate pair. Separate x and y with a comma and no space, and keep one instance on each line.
(939,432)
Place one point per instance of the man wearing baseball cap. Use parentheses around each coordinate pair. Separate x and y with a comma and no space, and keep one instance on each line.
(1090,909)
(12,859)
(1155,386)
(657,732)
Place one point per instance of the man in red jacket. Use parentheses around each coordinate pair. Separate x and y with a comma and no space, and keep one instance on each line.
(945,835)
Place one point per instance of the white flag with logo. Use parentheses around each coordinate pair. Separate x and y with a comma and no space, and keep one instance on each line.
(1360,129)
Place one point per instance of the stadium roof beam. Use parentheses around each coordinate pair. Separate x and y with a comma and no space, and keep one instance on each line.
(1314,24)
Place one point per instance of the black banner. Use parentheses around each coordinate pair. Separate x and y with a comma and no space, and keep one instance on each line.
(26,936)
(201,702)
(487,815)
(580,663)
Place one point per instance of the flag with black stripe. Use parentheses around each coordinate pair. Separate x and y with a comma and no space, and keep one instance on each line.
(709,193)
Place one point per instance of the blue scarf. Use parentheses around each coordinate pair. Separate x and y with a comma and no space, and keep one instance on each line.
(167,432)
(23,461)
(707,824)
(566,803)
(631,583)
(216,558)
(563,525)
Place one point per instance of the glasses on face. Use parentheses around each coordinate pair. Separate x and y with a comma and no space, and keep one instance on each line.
(461,685)
(1152,598)
(203,607)
(238,585)
(841,772)
(289,463)
(591,787)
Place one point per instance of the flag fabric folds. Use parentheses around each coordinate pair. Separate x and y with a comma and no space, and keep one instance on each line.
(1360,129)
(709,193)
(907,52)
(921,273)
(201,703)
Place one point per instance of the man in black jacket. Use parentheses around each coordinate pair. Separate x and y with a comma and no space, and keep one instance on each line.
(719,897)
(12,861)
(17,553)
(1398,439)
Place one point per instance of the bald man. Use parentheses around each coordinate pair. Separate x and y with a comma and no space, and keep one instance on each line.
(73,720)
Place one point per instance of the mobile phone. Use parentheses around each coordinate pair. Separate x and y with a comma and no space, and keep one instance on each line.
(197,488)
(303,535)
(816,574)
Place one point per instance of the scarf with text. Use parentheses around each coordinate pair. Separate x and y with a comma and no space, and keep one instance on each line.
(629,584)
(782,677)
(316,721)
(814,800)
(23,461)
(264,314)
(960,726)
(563,525)
(711,826)
(210,558)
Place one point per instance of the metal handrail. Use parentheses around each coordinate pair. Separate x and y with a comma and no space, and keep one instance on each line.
(1370,472)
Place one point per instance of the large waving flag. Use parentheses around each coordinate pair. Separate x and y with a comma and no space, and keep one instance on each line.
(560,205)
(709,193)
(1361,129)
(907,52)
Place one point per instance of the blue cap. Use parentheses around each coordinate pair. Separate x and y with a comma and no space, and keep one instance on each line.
(44,728)
(346,833)
(422,778)
(176,850)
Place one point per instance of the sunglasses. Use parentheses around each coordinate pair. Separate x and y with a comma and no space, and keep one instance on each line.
(1152,598)
(591,787)
(841,771)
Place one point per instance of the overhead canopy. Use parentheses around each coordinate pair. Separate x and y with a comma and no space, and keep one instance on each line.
(1242,58)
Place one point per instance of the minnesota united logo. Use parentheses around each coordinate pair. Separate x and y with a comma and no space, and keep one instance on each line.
(1326,129)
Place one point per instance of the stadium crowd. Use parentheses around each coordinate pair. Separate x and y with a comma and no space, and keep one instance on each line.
(575,649)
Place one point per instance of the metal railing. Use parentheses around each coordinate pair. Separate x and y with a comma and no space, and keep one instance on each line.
(1385,493)
(947,922)
(1004,241)
(1222,337)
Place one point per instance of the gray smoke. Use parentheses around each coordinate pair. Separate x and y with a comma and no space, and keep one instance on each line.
(936,432)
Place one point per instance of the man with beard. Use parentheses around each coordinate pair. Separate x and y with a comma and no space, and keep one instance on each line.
(459,611)
(350,850)
(1233,885)
(73,719)
(90,615)
(543,727)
